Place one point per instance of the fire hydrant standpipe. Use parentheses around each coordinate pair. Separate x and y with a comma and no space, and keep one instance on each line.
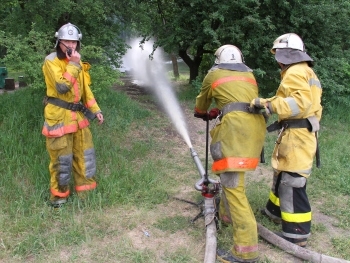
(206,152)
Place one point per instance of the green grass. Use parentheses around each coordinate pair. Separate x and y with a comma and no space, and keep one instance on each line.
(137,174)
(173,224)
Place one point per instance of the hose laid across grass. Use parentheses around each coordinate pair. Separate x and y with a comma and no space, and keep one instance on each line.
(296,250)
(210,224)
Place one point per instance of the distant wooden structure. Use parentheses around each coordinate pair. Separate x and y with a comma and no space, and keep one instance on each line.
(9,84)
(21,82)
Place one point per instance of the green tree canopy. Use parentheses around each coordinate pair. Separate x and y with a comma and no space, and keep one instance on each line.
(27,30)
(193,28)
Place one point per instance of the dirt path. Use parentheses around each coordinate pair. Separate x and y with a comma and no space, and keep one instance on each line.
(196,128)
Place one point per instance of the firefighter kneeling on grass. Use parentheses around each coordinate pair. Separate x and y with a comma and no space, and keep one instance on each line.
(298,105)
(236,145)
(68,106)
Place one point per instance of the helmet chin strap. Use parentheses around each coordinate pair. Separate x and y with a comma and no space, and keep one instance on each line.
(69,50)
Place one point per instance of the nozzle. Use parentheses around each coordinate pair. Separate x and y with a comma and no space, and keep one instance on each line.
(201,170)
(197,162)
(193,152)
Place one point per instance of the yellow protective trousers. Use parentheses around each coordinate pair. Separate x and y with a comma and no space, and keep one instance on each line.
(235,208)
(73,152)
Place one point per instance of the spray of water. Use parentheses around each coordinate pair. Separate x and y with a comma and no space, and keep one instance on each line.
(150,73)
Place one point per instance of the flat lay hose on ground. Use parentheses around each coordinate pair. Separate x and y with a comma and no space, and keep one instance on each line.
(295,250)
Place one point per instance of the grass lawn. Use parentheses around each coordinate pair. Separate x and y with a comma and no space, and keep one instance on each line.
(142,165)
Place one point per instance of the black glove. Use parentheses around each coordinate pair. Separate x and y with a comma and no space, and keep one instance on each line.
(203,116)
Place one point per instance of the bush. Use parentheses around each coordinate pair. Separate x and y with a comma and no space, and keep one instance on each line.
(27,54)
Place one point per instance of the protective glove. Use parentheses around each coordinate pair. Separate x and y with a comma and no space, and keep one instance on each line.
(203,116)
(213,114)
(263,104)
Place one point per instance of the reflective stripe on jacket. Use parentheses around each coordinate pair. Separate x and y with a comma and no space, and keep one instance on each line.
(70,82)
(298,97)
(238,139)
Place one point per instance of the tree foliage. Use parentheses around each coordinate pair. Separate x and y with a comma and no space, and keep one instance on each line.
(193,28)
(26,53)
(27,35)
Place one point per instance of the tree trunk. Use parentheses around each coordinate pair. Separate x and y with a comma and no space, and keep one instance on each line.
(194,70)
(175,66)
(193,64)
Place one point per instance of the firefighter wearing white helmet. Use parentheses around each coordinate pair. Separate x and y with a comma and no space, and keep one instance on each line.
(69,32)
(228,54)
(230,57)
(289,49)
(236,145)
(298,105)
(289,40)
(69,105)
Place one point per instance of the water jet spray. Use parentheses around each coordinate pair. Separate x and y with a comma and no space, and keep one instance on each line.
(150,72)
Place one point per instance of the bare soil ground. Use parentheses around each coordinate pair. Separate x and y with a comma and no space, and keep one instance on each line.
(196,127)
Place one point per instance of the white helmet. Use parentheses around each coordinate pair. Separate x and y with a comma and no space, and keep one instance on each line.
(228,54)
(69,32)
(289,40)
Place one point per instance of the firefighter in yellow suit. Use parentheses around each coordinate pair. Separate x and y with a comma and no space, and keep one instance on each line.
(236,145)
(298,105)
(68,103)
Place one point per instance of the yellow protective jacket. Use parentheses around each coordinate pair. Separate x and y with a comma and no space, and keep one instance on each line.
(238,139)
(70,82)
(298,97)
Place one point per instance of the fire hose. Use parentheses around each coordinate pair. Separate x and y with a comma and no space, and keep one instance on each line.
(296,250)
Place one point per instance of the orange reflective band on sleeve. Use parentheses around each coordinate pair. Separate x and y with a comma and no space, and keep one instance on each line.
(69,77)
(59,194)
(73,80)
(235,163)
(232,78)
(90,103)
(86,187)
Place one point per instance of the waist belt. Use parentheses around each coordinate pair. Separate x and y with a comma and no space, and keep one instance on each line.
(71,106)
(292,124)
(299,123)
(237,106)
